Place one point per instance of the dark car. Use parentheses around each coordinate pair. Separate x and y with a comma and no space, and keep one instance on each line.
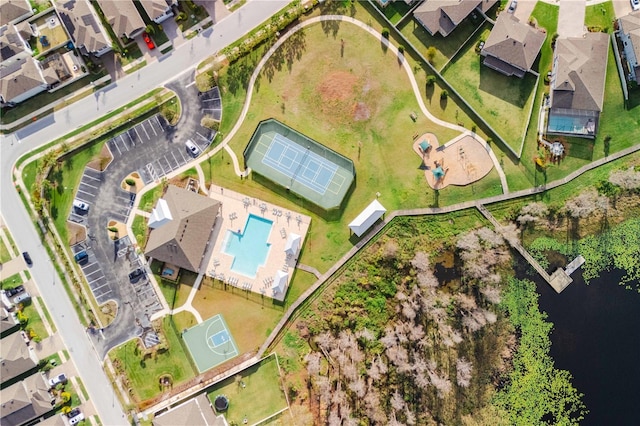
(135,275)
(10,292)
(27,258)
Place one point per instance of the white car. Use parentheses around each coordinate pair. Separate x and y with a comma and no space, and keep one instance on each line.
(56,380)
(192,148)
(512,6)
(75,416)
(80,205)
(635,4)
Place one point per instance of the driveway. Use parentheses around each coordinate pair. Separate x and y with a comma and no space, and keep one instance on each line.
(571,18)
(216,9)
(524,9)
(622,7)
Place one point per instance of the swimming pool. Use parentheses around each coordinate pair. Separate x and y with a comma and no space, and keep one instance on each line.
(249,248)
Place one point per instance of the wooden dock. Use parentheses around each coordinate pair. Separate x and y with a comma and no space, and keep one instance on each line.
(559,280)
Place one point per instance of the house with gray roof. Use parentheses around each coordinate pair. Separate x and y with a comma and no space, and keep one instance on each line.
(17,360)
(183,235)
(84,27)
(577,85)
(512,47)
(123,17)
(443,16)
(195,412)
(8,323)
(157,10)
(22,81)
(629,34)
(13,47)
(13,11)
(25,401)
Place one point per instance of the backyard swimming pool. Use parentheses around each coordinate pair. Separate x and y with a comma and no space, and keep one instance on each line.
(249,248)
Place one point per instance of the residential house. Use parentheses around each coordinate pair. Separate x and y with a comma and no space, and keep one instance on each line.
(13,11)
(17,360)
(629,33)
(123,17)
(8,323)
(512,47)
(25,401)
(24,80)
(84,27)
(195,412)
(157,10)
(443,16)
(181,226)
(14,47)
(577,84)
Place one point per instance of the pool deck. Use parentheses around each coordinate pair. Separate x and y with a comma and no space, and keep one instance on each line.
(235,211)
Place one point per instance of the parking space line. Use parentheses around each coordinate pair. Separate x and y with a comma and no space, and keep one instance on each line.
(90,264)
(124,143)
(97,279)
(106,292)
(85,192)
(168,165)
(151,125)
(82,182)
(158,121)
(175,159)
(116,145)
(137,133)
(145,131)
(98,288)
(183,158)
(91,273)
(90,177)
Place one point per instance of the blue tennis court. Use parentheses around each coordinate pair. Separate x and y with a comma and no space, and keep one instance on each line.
(299,164)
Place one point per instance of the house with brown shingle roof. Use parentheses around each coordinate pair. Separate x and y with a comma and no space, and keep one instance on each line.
(21,81)
(25,401)
(17,360)
(13,11)
(629,33)
(8,323)
(512,47)
(183,235)
(157,10)
(123,17)
(577,85)
(443,16)
(84,27)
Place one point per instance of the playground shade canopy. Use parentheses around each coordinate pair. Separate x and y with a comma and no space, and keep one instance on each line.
(367,217)
(293,244)
(424,146)
(280,282)
(438,172)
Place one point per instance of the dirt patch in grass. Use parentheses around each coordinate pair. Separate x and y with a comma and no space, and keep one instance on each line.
(107,313)
(337,86)
(77,233)
(361,112)
(103,160)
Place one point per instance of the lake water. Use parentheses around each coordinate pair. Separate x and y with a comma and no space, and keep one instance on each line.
(596,337)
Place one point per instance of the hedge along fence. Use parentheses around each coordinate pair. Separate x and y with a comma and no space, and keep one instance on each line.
(450,89)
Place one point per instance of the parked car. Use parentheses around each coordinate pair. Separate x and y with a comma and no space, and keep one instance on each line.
(27,258)
(75,416)
(135,275)
(56,380)
(148,40)
(10,292)
(192,148)
(512,6)
(81,257)
(635,4)
(22,297)
(80,205)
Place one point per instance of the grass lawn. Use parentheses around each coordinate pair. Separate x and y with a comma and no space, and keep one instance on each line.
(35,322)
(394,10)
(5,255)
(250,318)
(143,374)
(46,314)
(316,95)
(174,294)
(504,102)
(139,228)
(254,394)
(184,320)
(600,15)
(12,281)
(446,47)
(150,198)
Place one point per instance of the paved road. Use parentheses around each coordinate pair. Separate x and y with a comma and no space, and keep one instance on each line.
(117,94)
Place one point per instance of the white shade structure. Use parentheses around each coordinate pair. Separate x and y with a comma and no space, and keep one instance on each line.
(293,244)
(280,282)
(367,217)
(160,214)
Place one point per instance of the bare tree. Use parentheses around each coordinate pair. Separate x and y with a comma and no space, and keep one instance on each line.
(492,294)
(421,262)
(586,203)
(532,212)
(464,372)
(397,402)
(365,334)
(313,363)
(626,179)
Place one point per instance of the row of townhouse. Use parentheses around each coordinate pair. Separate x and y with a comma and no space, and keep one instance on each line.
(579,63)
(24,75)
